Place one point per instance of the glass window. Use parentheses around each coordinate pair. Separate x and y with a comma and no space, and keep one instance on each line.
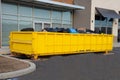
(99,17)
(41,20)
(56,25)
(25,11)
(23,24)
(25,18)
(9,8)
(66,22)
(9,17)
(67,26)
(110,23)
(41,13)
(56,21)
(119,24)
(97,29)
(38,26)
(66,16)
(109,30)
(97,23)
(7,27)
(103,24)
(56,15)
(103,30)
(47,25)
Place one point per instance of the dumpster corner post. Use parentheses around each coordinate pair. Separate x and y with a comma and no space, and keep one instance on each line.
(34,57)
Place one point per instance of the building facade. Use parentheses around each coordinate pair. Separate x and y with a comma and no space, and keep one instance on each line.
(100,15)
(37,14)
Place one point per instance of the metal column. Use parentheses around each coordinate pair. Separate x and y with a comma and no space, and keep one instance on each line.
(0,24)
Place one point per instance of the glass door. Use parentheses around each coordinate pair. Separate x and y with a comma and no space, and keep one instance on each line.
(46,25)
(38,26)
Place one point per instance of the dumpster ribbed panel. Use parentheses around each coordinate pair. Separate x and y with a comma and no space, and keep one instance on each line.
(48,43)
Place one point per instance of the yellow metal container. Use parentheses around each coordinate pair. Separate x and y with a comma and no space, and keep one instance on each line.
(48,43)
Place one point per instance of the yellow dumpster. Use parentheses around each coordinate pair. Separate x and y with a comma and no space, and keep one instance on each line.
(49,43)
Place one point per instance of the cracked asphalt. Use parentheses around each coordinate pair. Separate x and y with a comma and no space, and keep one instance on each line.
(88,66)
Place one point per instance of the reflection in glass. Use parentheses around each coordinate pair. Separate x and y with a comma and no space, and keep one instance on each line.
(23,24)
(41,20)
(66,16)
(104,25)
(56,15)
(16,17)
(9,8)
(38,26)
(25,18)
(25,11)
(56,23)
(7,27)
(9,17)
(66,22)
(41,13)
(67,26)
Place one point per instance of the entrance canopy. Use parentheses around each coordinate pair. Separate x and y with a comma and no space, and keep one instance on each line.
(58,5)
(108,13)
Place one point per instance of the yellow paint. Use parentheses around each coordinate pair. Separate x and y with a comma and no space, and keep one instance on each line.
(49,43)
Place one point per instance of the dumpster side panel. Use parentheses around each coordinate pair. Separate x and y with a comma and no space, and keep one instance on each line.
(44,43)
(41,43)
(87,39)
(73,43)
(67,42)
(93,42)
(104,42)
(80,43)
(21,42)
(48,43)
(98,42)
(58,43)
(110,42)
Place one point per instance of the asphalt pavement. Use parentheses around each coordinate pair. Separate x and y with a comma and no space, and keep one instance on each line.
(78,67)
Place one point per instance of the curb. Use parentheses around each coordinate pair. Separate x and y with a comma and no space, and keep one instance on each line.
(18,72)
(116,44)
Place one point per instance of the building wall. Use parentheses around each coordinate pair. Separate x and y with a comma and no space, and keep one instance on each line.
(65,1)
(82,18)
(107,4)
(86,18)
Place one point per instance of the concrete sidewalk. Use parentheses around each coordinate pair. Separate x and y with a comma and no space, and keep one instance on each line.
(12,67)
(116,45)
(5,50)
